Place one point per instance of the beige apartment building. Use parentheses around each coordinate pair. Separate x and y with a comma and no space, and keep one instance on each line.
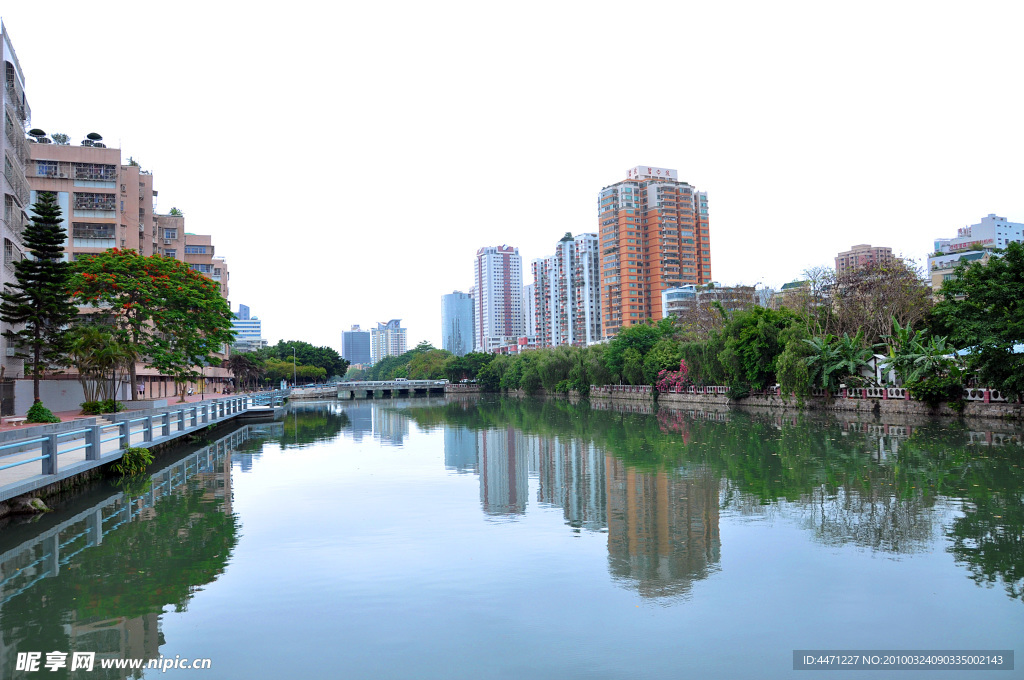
(106,204)
(862,255)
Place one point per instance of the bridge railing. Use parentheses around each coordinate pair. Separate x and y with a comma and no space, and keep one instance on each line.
(374,384)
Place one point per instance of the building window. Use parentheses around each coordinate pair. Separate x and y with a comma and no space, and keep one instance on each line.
(171,253)
(91,230)
(95,171)
(46,168)
(203,268)
(8,251)
(89,201)
(195,250)
(171,234)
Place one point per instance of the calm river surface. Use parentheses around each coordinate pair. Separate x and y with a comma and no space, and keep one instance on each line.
(530,539)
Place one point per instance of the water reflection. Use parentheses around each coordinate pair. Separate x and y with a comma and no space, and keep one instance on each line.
(657,482)
(662,527)
(98,579)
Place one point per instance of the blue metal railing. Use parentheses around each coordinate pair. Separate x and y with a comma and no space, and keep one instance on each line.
(146,428)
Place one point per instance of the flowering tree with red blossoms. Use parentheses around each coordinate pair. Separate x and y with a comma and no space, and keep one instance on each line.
(170,315)
(674,381)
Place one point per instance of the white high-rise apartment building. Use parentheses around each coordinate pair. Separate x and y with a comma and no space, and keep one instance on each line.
(498,302)
(17,117)
(387,340)
(567,293)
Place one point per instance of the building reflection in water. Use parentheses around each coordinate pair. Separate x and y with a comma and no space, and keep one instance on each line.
(460,450)
(504,471)
(662,526)
(571,476)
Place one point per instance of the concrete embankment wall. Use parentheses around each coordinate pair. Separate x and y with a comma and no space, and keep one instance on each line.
(972,409)
(881,407)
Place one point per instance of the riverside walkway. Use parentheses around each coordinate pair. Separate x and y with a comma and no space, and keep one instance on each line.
(35,457)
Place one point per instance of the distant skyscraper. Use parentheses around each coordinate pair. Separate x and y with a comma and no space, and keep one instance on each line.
(498,278)
(654,235)
(355,345)
(248,331)
(387,340)
(567,293)
(457,323)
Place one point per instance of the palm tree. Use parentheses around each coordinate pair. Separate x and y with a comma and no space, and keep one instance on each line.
(852,355)
(245,368)
(98,354)
(835,360)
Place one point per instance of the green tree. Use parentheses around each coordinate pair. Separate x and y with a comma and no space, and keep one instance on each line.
(246,368)
(429,365)
(467,367)
(632,367)
(98,355)
(39,300)
(823,361)
(983,309)
(491,374)
(169,315)
(751,343)
(176,212)
(324,357)
(664,356)
(791,367)
(60,139)
(641,337)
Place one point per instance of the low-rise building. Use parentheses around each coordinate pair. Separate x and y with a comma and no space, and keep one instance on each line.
(974,243)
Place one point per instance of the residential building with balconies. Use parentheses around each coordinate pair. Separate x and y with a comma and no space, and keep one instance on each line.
(654,234)
(17,118)
(388,340)
(497,296)
(862,255)
(566,292)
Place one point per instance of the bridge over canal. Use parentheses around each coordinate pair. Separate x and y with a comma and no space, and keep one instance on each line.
(386,389)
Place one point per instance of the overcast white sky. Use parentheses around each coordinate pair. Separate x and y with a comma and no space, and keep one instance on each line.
(349,158)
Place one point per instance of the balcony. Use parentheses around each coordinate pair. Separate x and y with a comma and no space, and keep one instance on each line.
(18,185)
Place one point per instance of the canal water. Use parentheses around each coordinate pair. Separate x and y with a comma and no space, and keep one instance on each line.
(503,538)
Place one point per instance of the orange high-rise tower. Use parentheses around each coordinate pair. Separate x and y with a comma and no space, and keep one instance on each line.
(653,232)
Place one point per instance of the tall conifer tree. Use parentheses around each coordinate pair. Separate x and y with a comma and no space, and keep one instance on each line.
(39,301)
